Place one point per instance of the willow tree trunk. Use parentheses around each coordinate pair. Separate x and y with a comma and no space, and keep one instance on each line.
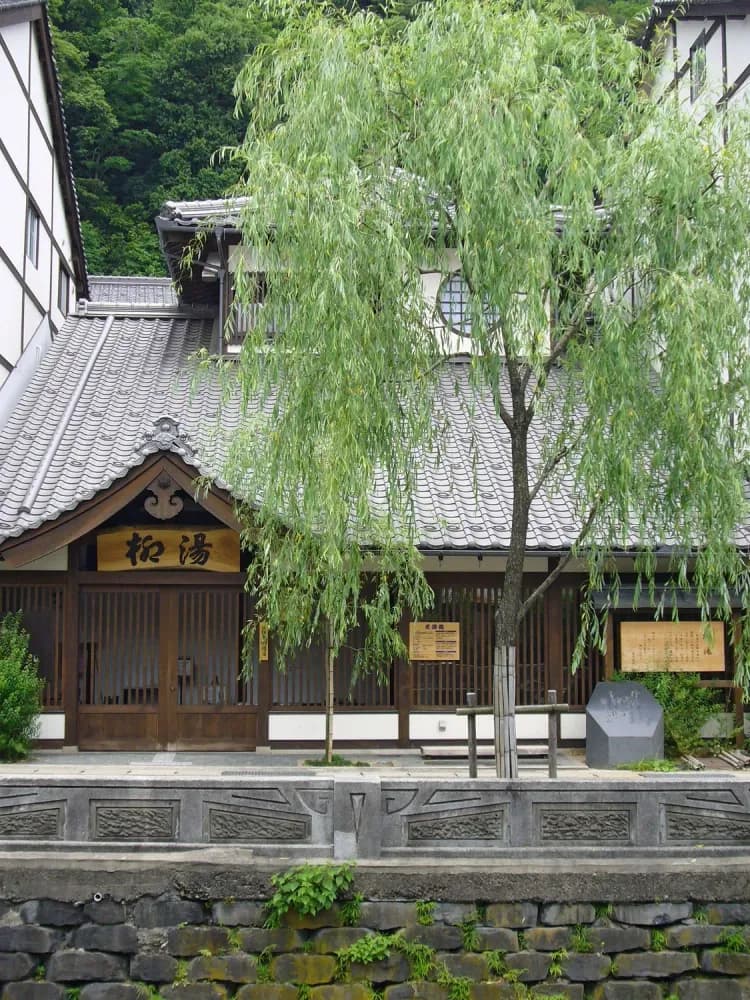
(504,701)
(329,664)
(510,603)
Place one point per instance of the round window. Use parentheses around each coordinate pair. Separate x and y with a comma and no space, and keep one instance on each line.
(454,305)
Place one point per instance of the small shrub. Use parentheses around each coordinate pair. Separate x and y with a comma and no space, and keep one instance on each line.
(336,761)
(20,690)
(307,890)
(649,764)
(687,707)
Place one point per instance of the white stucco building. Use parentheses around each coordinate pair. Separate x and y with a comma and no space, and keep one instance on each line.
(42,265)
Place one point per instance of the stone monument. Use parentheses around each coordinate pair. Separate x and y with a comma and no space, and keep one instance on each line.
(624,723)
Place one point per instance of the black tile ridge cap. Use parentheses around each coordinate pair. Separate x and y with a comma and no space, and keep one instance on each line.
(36,484)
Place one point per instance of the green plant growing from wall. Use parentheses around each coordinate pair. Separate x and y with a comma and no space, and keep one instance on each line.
(425,912)
(580,940)
(658,940)
(20,690)
(734,939)
(556,960)
(351,910)
(307,890)
(469,934)
(263,965)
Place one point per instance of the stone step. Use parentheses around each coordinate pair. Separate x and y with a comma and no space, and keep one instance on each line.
(452,752)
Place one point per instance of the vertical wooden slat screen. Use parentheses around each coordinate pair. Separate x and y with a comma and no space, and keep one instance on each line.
(369,690)
(302,682)
(579,685)
(118,647)
(209,649)
(41,607)
(444,684)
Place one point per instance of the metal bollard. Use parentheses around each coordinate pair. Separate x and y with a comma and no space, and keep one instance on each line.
(471,722)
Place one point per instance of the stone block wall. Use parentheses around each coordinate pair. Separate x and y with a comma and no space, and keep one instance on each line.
(198,948)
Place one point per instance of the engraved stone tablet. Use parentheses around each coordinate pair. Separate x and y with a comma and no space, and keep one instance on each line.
(624,723)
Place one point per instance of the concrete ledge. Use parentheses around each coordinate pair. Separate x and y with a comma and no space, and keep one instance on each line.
(222,874)
(370,817)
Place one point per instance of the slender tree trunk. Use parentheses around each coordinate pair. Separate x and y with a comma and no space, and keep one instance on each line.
(329,694)
(504,678)
(508,610)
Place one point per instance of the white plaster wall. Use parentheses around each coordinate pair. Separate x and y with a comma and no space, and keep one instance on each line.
(350,726)
(17,37)
(40,174)
(738,48)
(31,320)
(13,200)
(573,726)
(13,120)
(37,87)
(10,332)
(432,727)
(51,726)
(59,224)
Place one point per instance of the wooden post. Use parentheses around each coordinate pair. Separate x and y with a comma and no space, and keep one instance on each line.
(609,652)
(471,722)
(330,677)
(552,723)
(70,648)
(403,684)
(554,646)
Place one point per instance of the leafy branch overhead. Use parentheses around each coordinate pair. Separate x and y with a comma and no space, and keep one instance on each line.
(604,242)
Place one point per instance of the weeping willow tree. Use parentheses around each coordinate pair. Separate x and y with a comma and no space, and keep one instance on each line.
(604,242)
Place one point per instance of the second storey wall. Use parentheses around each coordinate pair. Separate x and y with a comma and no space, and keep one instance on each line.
(32,281)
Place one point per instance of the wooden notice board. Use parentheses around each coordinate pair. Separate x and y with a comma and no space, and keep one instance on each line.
(434,641)
(648,647)
(168,548)
(263,642)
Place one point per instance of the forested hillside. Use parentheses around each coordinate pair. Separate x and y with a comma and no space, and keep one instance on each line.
(147,86)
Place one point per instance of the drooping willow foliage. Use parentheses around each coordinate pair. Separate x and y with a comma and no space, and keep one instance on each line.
(605,241)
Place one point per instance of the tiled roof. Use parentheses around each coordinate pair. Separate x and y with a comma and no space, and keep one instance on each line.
(109,392)
(127,291)
(221,211)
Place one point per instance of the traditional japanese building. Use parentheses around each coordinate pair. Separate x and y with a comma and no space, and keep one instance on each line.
(42,266)
(131,580)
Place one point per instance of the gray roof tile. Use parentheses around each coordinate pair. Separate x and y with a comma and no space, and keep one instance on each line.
(143,374)
(114,290)
(139,394)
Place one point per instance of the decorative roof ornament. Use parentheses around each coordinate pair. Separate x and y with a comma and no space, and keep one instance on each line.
(163,502)
(166,436)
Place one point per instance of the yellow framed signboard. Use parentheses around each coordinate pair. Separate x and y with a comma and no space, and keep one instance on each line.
(168,548)
(434,641)
(648,647)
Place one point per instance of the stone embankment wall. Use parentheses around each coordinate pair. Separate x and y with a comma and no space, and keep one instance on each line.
(174,946)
